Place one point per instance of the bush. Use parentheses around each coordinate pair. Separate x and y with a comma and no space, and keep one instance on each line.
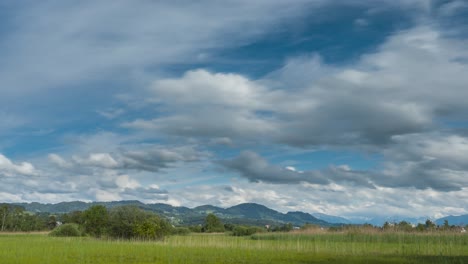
(195,228)
(130,222)
(246,230)
(180,231)
(66,230)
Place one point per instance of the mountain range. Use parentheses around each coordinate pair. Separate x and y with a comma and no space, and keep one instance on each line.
(246,213)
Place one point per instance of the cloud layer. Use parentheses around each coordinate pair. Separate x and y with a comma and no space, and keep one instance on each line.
(226,103)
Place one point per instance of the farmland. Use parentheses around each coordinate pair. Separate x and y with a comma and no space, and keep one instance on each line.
(346,247)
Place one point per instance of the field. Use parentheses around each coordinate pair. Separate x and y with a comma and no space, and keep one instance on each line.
(220,248)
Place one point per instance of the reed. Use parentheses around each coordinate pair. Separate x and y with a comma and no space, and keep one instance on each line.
(324,247)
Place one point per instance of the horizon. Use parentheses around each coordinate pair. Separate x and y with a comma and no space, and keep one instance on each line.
(352,109)
(353,220)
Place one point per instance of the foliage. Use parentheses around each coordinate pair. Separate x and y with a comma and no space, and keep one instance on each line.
(246,230)
(282,228)
(267,248)
(195,228)
(66,230)
(129,222)
(180,231)
(15,218)
(213,224)
(95,220)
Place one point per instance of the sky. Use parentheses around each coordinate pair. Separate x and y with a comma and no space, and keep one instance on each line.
(350,108)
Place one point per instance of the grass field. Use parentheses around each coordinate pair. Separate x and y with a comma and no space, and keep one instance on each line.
(264,248)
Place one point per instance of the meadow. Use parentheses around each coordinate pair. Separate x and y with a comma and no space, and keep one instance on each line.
(324,247)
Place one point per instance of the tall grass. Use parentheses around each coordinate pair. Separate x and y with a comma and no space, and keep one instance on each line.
(264,248)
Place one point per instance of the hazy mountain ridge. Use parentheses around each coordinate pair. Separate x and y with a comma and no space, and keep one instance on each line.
(246,213)
(454,220)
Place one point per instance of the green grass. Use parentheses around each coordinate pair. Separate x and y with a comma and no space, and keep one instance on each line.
(265,248)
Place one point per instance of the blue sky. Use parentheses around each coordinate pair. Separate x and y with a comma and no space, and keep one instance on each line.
(355,109)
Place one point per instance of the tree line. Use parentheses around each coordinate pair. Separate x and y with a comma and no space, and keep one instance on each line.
(16,219)
(124,222)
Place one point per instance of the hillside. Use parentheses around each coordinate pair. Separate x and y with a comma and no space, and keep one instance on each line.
(247,213)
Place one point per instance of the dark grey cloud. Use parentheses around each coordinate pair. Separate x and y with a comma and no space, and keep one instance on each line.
(154,159)
(149,193)
(256,169)
(436,161)
(151,158)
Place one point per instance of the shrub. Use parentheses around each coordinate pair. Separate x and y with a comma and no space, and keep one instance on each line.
(180,231)
(130,222)
(66,230)
(246,230)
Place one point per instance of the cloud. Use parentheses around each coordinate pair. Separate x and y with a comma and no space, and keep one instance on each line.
(10,169)
(149,194)
(59,161)
(111,113)
(154,159)
(211,105)
(124,36)
(423,161)
(104,160)
(435,162)
(343,200)
(146,157)
(338,106)
(256,169)
(138,66)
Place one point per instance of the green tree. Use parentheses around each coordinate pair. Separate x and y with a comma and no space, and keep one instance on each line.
(420,227)
(430,225)
(4,211)
(66,230)
(132,222)
(213,224)
(446,225)
(95,220)
(73,217)
(387,226)
(52,222)
(405,226)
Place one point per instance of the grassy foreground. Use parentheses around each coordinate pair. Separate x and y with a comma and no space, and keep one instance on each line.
(267,248)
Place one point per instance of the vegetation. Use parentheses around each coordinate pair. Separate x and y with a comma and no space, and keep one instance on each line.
(301,247)
(213,224)
(67,230)
(16,219)
(123,222)
(246,230)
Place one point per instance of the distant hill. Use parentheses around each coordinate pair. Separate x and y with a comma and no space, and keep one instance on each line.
(379,221)
(247,213)
(209,209)
(254,211)
(460,220)
(305,218)
(331,219)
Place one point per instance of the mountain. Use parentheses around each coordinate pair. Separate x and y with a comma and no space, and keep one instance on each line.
(209,209)
(304,218)
(379,221)
(63,207)
(254,211)
(246,214)
(331,219)
(460,220)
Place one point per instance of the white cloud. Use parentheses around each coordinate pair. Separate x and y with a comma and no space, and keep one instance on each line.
(124,181)
(10,169)
(104,160)
(336,106)
(106,196)
(59,161)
